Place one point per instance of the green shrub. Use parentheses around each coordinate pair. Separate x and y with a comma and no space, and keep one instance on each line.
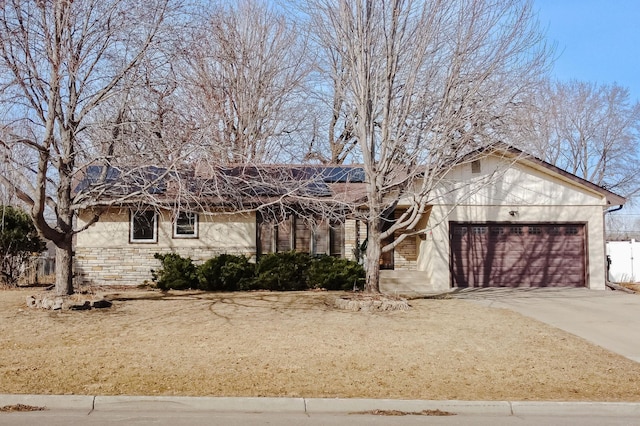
(286,271)
(334,273)
(176,272)
(226,272)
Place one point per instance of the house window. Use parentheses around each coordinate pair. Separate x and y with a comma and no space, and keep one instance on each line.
(459,230)
(475,166)
(535,230)
(496,230)
(284,235)
(144,227)
(296,233)
(336,239)
(302,240)
(265,235)
(320,235)
(186,225)
(554,230)
(479,229)
(515,230)
(571,230)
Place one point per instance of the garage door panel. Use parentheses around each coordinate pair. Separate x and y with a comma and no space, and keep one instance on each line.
(525,270)
(529,260)
(535,276)
(524,280)
(528,255)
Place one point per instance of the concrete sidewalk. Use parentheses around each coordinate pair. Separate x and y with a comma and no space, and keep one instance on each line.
(609,319)
(91,404)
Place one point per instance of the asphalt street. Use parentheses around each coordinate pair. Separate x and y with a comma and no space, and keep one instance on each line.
(65,418)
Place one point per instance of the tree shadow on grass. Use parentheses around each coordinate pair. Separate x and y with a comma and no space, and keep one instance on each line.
(232,304)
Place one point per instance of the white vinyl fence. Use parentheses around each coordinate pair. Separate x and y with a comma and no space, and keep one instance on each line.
(625,261)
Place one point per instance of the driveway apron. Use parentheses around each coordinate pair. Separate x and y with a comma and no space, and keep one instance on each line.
(607,318)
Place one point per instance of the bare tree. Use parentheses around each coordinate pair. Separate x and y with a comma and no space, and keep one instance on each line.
(333,140)
(589,130)
(148,123)
(427,83)
(246,68)
(622,226)
(60,61)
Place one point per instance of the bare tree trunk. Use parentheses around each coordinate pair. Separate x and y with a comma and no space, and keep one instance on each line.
(372,264)
(83,55)
(64,269)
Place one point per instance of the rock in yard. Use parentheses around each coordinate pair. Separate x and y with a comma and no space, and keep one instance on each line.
(79,306)
(74,302)
(57,304)
(371,303)
(102,303)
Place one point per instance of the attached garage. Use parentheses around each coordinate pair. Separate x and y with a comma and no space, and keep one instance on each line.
(511,220)
(518,254)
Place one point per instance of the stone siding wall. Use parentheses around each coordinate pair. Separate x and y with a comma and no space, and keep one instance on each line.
(132,265)
(350,237)
(405,256)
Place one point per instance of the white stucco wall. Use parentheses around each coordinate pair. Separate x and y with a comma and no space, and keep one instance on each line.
(503,187)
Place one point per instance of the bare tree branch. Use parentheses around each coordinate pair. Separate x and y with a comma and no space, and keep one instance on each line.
(60,62)
(426,84)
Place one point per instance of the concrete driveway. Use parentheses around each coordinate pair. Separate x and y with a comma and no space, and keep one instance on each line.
(609,319)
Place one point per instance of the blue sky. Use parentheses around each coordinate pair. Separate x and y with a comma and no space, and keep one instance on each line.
(596,40)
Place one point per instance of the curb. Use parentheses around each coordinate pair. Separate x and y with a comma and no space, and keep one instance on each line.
(328,405)
(576,408)
(54,402)
(318,405)
(187,403)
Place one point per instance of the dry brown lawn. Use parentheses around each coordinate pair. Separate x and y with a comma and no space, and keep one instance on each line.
(632,286)
(298,345)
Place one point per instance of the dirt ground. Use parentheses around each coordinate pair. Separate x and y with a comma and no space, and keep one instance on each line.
(298,345)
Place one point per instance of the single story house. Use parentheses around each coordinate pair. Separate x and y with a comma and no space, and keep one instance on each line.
(504,219)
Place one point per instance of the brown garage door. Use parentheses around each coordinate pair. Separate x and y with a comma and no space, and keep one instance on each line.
(517,255)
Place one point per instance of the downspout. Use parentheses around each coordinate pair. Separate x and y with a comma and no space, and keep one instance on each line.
(614,209)
(604,232)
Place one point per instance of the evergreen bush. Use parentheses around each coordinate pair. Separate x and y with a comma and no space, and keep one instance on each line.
(285,271)
(226,272)
(333,273)
(176,272)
